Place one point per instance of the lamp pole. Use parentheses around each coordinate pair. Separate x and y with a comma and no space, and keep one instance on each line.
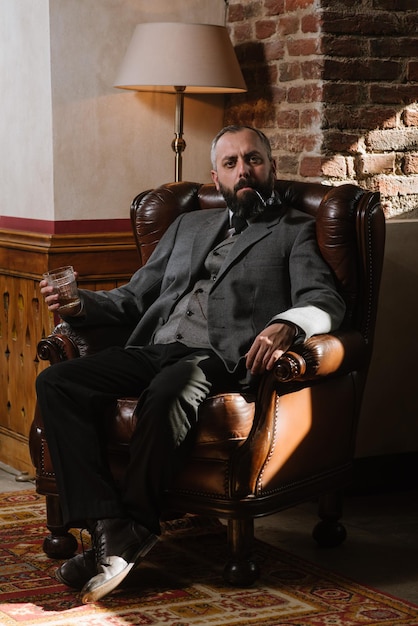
(178,144)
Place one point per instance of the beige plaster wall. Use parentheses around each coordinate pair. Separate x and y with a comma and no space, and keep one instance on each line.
(26,151)
(389,417)
(78,148)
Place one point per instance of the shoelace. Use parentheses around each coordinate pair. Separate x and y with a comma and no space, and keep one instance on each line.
(82,539)
(98,545)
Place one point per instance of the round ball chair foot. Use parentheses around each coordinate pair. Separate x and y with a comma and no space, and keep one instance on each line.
(241,573)
(60,546)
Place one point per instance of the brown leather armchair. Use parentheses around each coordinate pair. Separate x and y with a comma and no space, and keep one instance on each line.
(254,456)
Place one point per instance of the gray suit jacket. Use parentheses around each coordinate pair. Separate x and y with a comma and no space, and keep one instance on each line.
(274,266)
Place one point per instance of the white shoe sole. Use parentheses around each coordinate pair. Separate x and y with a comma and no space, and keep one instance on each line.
(97,588)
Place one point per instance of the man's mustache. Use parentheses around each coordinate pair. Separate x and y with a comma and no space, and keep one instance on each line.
(245,183)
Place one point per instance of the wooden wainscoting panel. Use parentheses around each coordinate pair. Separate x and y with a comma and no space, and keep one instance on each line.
(104,262)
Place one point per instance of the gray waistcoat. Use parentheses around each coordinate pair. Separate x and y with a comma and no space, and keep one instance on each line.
(188,320)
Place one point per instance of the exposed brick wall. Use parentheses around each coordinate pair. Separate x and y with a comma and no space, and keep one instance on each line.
(335,87)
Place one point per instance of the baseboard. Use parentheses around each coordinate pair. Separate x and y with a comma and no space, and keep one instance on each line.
(386,473)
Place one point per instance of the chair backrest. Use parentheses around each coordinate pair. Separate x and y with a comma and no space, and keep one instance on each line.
(350,228)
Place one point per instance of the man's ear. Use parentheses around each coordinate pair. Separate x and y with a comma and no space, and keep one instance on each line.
(214,175)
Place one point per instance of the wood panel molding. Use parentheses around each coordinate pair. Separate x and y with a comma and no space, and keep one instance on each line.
(31,254)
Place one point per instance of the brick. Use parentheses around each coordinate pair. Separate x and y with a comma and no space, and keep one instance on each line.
(396,5)
(310,23)
(278,94)
(371,164)
(235,13)
(310,166)
(351,172)
(289,71)
(265,29)
(335,4)
(397,185)
(412,71)
(251,9)
(388,118)
(288,25)
(296,5)
(361,118)
(341,22)
(310,118)
(394,46)
(410,117)
(288,164)
(334,167)
(242,32)
(312,70)
(278,140)
(350,47)
(344,93)
(393,94)
(274,50)
(304,142)
(380,140)
(366,70)
(274,7)
(288,119)
(303,47)
(337,141)
(305,93)
(410,164)
(255,8)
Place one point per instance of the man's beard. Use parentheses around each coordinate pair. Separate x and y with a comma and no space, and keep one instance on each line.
(249,205)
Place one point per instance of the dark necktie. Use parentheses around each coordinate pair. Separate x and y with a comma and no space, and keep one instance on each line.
(239,224)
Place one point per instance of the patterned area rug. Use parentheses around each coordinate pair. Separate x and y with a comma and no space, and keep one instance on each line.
(180,584)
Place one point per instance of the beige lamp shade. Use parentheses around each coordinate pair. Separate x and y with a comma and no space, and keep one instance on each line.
(179,58)
(165,55)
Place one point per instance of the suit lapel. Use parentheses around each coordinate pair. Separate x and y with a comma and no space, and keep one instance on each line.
(205,238)
(254,233)
(209,233)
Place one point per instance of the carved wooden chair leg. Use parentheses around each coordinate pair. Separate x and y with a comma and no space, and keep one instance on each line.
(60,544)
(241,570)
(329,532)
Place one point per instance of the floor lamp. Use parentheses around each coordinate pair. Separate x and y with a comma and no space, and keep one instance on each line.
(179,58)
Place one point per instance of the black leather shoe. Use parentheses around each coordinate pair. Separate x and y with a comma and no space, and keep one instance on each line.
(76,572)
(119,545)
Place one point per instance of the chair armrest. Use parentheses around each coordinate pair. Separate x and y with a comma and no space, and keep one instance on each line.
(66,342)
(56,348)
(318,357)
(322,355)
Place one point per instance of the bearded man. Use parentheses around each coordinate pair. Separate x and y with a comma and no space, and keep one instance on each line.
(224,294)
